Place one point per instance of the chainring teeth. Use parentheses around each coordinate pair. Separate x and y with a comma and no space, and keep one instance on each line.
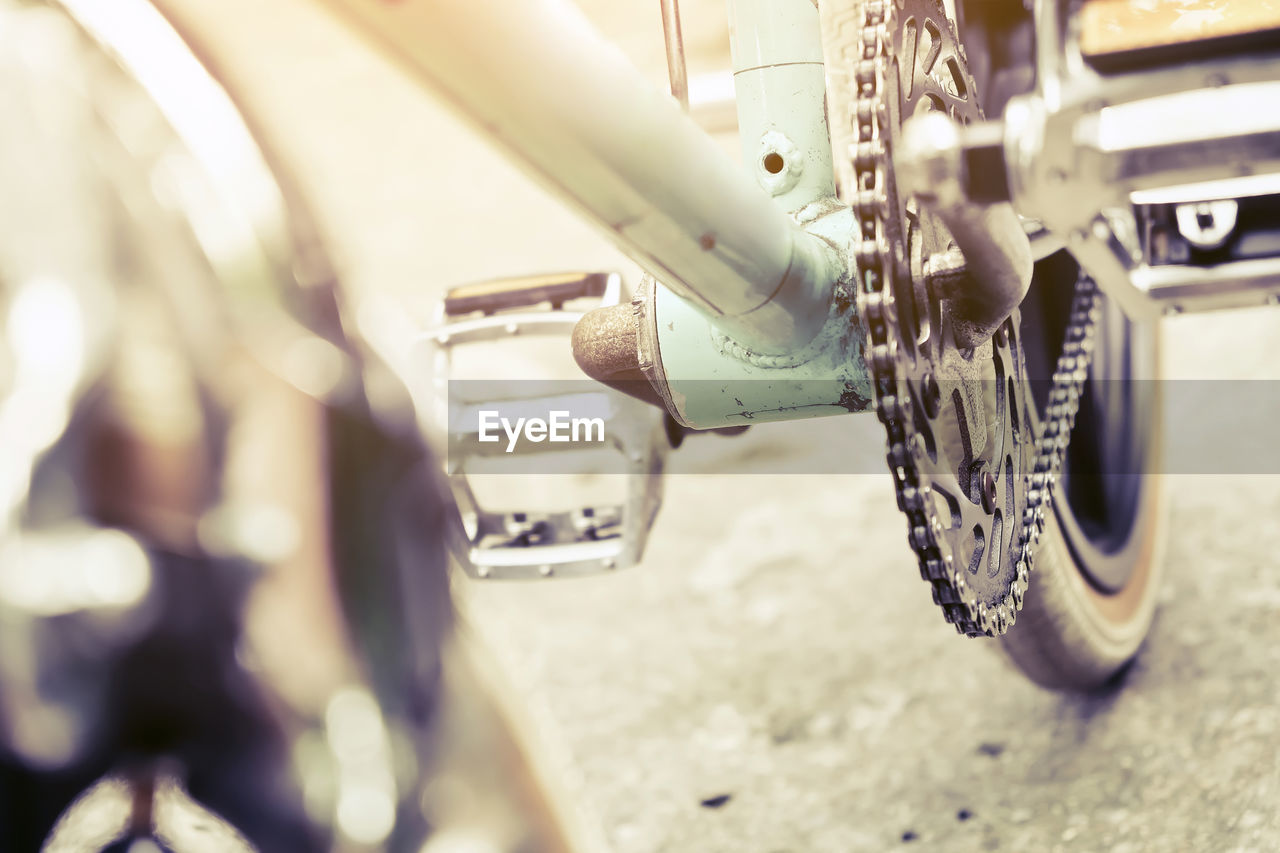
(1021,483)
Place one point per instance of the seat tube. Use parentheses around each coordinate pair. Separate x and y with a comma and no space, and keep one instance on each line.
(780,83)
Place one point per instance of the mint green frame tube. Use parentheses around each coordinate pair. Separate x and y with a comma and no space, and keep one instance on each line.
(562,101)
(708,379)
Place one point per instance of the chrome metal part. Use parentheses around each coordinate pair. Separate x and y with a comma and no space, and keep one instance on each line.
(532,543)
(933,97)
(996,252)
(1089,149)
(620,152)
(1207,225)
(1237,283)
(674,40)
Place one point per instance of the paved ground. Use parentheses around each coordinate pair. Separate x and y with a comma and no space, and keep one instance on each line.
(774,678)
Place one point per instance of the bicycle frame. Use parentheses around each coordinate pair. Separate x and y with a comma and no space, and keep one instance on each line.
(747,292)
(565,104)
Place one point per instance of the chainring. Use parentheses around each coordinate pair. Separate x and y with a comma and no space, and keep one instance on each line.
(957,436)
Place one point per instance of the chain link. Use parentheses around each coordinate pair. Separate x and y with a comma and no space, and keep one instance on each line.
(872,206)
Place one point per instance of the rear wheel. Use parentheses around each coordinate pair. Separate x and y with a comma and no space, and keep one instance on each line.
(1093,591)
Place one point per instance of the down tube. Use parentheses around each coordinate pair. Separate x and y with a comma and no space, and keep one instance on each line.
(537,79)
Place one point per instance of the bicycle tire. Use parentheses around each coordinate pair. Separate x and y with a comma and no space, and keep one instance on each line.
(1092,595)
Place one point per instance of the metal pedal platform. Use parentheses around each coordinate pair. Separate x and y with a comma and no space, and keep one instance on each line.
(606,434)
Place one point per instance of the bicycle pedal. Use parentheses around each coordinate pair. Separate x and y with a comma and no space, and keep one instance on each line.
(558,424)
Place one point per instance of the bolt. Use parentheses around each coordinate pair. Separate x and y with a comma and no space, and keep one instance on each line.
(545,571)
(988,492)
(931,395)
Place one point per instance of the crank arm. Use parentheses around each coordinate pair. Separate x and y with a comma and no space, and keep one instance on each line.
(991,278)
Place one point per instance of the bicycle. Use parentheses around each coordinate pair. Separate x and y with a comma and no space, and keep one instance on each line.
(911,240)
(1089,603)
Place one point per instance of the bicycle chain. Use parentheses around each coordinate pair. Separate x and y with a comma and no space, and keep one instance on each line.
(872,207)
